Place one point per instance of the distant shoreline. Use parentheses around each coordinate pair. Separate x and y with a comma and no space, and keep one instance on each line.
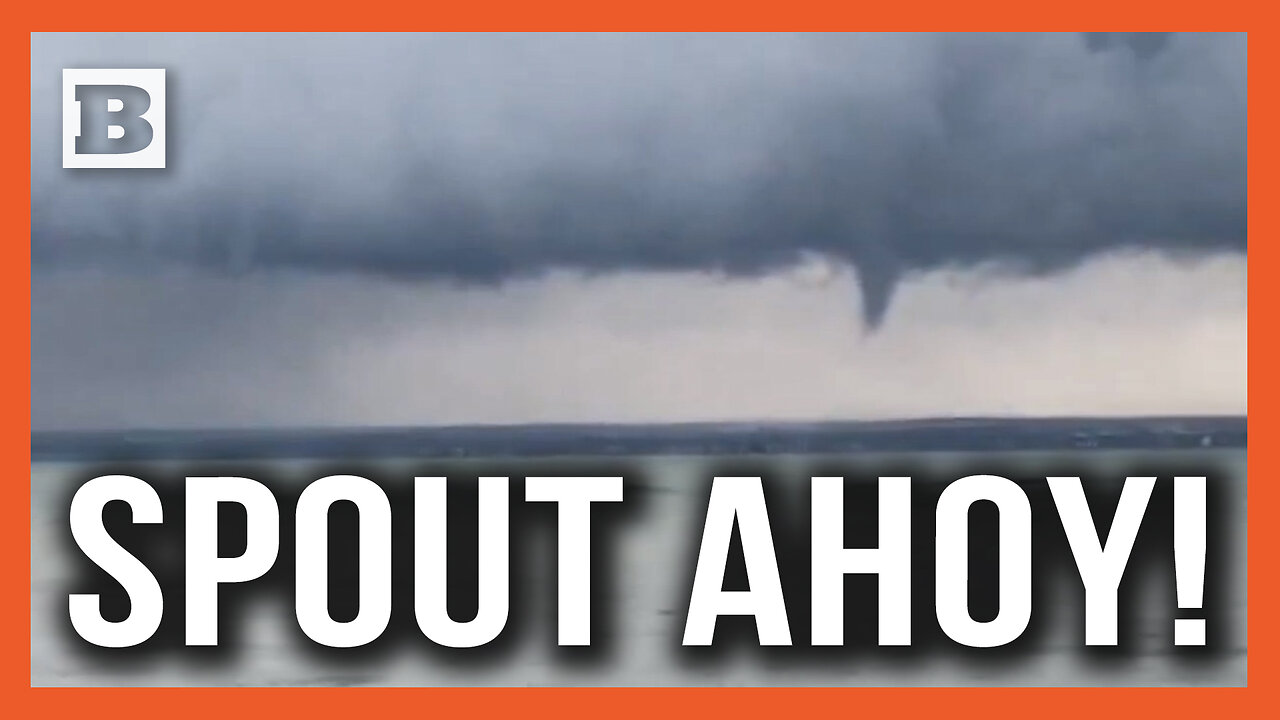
(976,434)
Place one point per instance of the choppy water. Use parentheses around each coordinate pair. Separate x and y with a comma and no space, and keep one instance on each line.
(648,592)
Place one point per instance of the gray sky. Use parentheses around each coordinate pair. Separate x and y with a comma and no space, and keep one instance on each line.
(424,229)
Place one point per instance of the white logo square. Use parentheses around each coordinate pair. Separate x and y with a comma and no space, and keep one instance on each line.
(113,118)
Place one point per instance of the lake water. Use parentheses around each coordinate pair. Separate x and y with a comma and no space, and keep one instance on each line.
(647,587)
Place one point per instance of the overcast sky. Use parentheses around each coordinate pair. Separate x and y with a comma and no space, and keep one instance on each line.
(440,229)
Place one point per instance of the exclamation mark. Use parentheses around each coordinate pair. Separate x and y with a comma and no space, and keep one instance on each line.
(1188,556)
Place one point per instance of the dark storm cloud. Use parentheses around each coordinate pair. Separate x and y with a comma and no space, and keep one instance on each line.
(478,159)
(1144,45)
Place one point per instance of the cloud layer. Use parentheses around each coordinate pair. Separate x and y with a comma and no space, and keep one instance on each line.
(481,159)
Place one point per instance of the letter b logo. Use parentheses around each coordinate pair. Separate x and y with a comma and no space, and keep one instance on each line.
(113,119)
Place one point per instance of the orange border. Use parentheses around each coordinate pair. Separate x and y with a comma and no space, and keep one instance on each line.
(241,15)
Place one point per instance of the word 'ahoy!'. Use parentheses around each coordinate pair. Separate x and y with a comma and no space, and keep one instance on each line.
(734,502)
